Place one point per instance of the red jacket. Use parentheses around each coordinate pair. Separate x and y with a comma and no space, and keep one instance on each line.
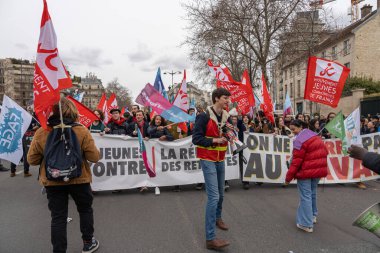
(310,161)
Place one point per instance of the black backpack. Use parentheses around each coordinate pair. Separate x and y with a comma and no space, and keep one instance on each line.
(63,156)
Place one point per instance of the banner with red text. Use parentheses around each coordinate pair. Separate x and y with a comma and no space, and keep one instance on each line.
(267,155)
(325,81)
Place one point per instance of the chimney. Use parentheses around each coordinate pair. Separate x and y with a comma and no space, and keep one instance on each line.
(366,9)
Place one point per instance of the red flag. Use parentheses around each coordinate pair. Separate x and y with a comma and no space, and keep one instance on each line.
(50,75)
(102,102)
(267,105)
(325,81)
(122,111)
(86,116)
(245,80)
(111,104)
(220,73)
(183,126)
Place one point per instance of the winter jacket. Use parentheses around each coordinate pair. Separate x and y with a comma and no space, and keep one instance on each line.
(154,133)
(309,157)
(371,161)
(143,130)
(119,127)
(87,145)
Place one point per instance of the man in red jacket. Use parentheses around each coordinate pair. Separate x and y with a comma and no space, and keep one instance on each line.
(308,165)
(211,150)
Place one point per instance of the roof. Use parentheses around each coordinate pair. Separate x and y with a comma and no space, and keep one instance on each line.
(344,33)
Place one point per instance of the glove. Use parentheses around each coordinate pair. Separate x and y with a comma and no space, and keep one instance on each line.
(357,152)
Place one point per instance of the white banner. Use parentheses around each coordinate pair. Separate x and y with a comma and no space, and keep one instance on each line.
(267,155)
(121,165)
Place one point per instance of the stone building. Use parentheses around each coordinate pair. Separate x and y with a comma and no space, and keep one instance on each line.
(16,80)
(355,46)
(93,89)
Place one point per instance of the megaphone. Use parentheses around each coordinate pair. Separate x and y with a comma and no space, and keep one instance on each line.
(236,145)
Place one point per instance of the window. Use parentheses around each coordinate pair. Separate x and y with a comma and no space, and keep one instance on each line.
(346,47)
(333,53)
(286,74)
(286,89)
(324,54)
(291,89)
(298,88)
(298,69)
(291,72)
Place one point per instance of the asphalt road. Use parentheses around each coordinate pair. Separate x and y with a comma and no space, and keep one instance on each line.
(261,219)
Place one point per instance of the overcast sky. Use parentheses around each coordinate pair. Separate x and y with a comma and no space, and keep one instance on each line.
(115,38)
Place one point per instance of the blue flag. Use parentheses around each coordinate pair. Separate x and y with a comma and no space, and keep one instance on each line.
(158,84)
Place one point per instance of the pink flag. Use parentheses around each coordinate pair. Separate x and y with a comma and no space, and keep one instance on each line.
(50,75)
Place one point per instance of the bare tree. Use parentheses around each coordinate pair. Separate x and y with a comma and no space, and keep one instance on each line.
(239,33)
(122,93)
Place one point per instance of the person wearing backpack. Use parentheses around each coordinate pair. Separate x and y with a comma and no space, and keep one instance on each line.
(76,182)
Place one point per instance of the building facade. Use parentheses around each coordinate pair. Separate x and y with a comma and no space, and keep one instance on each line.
(93,89)
(16,80)
(356,46)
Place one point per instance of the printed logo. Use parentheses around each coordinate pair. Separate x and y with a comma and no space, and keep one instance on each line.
(10,130)
(328,70)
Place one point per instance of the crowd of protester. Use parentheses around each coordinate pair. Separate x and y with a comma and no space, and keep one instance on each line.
(159,128)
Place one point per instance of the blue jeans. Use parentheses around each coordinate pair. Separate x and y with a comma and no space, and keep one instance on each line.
(213,173)
(307,208)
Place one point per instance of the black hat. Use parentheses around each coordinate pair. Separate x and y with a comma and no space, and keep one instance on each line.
(115,110)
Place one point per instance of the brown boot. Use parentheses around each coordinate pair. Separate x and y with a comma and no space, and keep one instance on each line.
(27,174)
(216,244)
(13,174)
(220,224)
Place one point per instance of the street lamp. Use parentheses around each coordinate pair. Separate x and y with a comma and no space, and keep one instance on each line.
(172,74)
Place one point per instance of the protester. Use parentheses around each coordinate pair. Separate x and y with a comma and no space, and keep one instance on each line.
(211,150)
(300,116)
(189,124)
(97,126)
(26,141)
(371,128)
(158,129)
(79,188)
(308,165)
(325,132)
(281,128)
(363,126)
(117,124)
(141,124)
(134,109)
(314,126)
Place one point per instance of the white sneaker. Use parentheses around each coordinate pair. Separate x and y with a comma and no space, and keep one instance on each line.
(314,219)
(157,191)
(306,229)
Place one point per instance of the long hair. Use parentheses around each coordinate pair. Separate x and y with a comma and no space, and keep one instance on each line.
(101,114)
(153,122)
